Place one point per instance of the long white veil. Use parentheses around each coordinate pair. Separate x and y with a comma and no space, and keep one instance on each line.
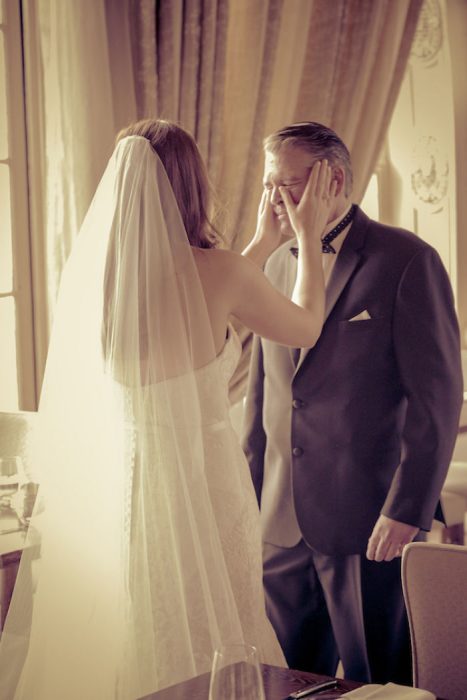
(123,538)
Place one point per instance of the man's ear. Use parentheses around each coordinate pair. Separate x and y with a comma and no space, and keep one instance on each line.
(338,176)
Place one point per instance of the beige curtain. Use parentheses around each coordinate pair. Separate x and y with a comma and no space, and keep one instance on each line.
(74,104)
(223,69)
(230,71)
(265,54)
(179,63)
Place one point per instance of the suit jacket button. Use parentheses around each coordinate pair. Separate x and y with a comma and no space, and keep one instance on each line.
(298,403)
(297,451)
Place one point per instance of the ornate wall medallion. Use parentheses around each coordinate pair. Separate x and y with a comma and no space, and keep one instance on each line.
(428,37)
(429,177)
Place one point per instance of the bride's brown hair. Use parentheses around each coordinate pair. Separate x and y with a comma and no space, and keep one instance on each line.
(187,174)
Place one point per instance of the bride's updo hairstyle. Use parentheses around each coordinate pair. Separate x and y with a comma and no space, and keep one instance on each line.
(187,174)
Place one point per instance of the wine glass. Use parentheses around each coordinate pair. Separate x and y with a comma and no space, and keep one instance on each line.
(236,674)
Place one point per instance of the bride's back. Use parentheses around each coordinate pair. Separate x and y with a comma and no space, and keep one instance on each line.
(216,272)
(181,300)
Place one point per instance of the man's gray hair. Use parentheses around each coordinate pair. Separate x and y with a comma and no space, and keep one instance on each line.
(319,140)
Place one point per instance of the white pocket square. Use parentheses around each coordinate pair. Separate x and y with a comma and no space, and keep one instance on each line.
(362,316)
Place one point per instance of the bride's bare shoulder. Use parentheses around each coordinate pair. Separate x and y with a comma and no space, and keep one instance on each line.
(215,261)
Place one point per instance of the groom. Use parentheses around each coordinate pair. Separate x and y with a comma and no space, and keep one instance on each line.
(349,442)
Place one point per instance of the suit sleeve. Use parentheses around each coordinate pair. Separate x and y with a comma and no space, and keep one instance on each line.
(254,437)
(427,349)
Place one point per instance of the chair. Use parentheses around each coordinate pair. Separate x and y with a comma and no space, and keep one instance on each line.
(15,429)
(434,581)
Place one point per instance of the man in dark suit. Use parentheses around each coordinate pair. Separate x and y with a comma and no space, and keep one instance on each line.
(349,442)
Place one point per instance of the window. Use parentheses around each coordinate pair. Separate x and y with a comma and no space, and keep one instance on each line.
(16,325)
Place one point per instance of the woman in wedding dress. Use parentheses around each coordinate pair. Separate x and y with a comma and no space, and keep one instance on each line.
(145,544)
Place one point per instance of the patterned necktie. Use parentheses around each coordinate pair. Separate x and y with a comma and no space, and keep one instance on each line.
(329,237)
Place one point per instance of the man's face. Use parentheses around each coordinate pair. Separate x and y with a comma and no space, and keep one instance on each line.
(290,167)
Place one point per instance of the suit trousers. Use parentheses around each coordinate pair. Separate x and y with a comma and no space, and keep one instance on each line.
(325,608)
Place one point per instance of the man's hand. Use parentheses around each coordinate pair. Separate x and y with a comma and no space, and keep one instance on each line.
(389,538)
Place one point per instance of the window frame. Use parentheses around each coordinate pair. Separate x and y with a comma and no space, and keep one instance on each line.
(19,204)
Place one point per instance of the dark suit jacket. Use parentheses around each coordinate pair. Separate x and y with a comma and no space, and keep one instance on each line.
(367,422)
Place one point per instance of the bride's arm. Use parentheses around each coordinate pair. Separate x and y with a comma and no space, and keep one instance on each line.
(267,312)
(267,235)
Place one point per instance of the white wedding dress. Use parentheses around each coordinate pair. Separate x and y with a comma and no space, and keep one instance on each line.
(145,542)
(235,512)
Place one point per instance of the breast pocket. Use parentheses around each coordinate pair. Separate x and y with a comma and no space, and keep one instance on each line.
(359,342)
(367,325)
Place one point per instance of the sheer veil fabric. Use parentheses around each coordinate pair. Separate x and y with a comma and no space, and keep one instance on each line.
(124,586)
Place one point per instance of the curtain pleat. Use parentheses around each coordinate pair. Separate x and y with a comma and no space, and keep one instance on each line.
(142,19)
(252,129)
(211,82)
(190,60)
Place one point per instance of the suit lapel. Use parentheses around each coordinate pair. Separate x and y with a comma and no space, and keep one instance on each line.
(347,260)
(346,263)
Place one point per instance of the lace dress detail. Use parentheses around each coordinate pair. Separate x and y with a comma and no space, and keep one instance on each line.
(235,512)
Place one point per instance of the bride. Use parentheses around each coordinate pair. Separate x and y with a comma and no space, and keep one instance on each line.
(144,552)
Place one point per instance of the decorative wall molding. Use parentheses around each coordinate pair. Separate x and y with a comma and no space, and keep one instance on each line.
(428,39)
(430,175)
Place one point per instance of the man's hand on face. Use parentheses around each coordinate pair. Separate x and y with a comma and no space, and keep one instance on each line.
(388,539)
(310,215)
